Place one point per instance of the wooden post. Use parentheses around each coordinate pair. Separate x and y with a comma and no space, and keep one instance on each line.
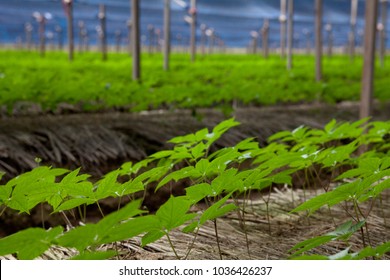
(151,38)
(192,13)
(28,28)
(203,38)
(135,40)
(102,18)
(369,58)
(118,40)
(167,33)
(352,33)
(328,28)
(210,34)
(307,36)
(81,39)
(157,40)
(68,6)
(41,31)
(128,23)
(318,27)
(283,20)
(264,33)
(290,33)
(60,41)
(255,37)
(382,32)
(84,35)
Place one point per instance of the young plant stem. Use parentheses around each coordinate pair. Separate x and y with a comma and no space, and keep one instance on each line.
(81,214)
(171,245)
(304,185)
(116,250)
(355,207)
(365,224)
(43,220)
(100,209)
(217,237)
(3,210)
(192,243)
(244,225)
(266,201)
(381,207)
(119,203)
(66,220)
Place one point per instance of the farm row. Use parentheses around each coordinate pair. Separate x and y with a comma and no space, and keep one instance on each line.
(357,180)
(212,81)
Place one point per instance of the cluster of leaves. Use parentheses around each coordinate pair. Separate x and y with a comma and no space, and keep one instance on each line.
(217,178)
(93,84)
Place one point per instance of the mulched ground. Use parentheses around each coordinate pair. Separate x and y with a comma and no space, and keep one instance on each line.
(100,142)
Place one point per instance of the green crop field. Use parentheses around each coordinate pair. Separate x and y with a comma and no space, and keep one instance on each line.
(212,81)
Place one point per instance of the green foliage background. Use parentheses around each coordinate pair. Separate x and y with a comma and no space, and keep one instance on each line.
(214,80)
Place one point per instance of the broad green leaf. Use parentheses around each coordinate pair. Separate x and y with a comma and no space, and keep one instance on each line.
(198,151)
(108,185)
(329,126)
(202,166)
(130,187)
(73,203)
(151,237)
(201,135)
(94,234)
(247,144)
(5,193)
(187,139)
(198,192)
(342,232)
(80,237)
(342,193)
(30,243)
(220,129)
(186,172)
(345,230)
(73,177)
(97,255)
(310,244)
(131,228)
(173,213)
(375,252)
(130,210)
(162,154)
(217,210)
(226,181)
